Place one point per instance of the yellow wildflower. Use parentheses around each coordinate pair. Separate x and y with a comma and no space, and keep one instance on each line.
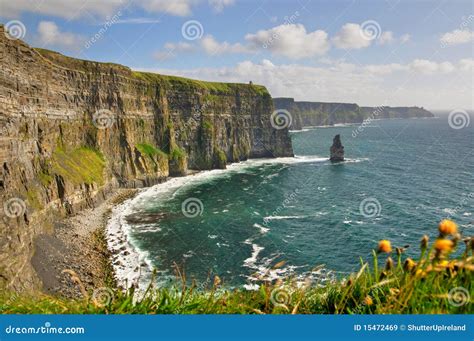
(420,273)
(447,227)
(409,264)
(443,245)
(384,246)
(368,300)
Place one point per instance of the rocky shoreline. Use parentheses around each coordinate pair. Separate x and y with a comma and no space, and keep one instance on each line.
(78,248)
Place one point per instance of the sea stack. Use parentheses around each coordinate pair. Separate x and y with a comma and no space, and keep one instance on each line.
(337,149)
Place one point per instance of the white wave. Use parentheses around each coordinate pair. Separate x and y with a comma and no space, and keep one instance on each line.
(174,185)
(250,287)
(131,265)
(284,217)
(262,229)
(256,249)
(147,228)
(189,254)
(301,130)
(248,241)
(265,272)
(450,211)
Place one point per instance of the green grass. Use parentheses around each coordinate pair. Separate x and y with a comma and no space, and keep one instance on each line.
(426,286)
(45,178)
(187,83)
(153,78)
(80,165)
(177,154)
(149,150)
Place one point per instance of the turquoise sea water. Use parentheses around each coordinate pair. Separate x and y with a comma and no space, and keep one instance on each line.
(401,178)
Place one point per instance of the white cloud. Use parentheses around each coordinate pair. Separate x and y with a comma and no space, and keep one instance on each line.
(289,40)
(457,37)
(172,49)
(219,5)
(292,41)
(391,84)
(428,67)
(385,38)
(70,9)
(181,46)
(405,38)
(137,21)
(207,44)
(175,7)
(466,64)
(350,37)
(385,69)
(50,34)
(213,47)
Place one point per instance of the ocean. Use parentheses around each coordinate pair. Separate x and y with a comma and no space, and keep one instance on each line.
(400,178)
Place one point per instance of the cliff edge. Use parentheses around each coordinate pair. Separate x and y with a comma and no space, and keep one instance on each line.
(305,114)
(74,130)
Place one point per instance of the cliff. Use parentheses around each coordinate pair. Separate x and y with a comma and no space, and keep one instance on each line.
(74,130)
(319,113)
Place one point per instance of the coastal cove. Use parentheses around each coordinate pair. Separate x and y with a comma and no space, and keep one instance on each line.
(304,211)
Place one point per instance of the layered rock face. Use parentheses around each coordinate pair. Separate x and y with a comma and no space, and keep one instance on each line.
(306,114)
(73,130)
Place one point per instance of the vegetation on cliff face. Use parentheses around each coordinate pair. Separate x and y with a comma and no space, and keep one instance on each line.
(149,150)
(80,165)
(437,282)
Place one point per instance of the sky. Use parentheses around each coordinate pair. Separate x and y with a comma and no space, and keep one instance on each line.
(385,52)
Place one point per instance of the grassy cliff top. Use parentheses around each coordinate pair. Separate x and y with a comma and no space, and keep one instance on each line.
(80,64)
(154,78)
(217,87)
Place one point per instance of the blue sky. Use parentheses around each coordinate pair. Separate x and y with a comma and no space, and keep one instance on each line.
(370,52)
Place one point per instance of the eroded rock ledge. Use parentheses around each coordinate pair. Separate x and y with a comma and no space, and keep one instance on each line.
(72,131)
